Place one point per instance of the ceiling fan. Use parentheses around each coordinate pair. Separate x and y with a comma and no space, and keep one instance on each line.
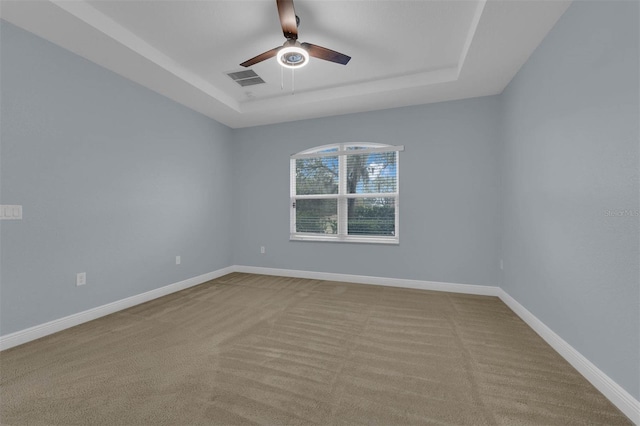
(293,54)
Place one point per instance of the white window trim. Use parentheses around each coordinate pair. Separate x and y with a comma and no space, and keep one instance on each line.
(342,196)
(342,151)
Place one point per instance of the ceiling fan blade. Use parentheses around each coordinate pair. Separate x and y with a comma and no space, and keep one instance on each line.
(288,19)
(326,54)
(261,57)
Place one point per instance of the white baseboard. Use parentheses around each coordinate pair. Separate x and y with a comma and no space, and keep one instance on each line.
(483,290)
(609,388)
(42,330)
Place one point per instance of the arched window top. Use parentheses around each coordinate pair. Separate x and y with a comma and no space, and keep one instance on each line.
(335,147)
(345,192)
(346,148)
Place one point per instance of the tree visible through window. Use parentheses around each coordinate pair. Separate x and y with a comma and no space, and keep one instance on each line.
(346,192)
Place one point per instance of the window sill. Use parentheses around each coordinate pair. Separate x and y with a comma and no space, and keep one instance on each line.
(336,239)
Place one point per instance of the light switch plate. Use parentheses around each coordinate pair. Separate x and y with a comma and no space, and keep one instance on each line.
(10,212)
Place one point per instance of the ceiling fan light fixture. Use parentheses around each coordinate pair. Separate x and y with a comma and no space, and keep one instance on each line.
(293,57)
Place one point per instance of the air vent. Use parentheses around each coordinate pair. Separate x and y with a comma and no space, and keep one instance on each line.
(246,78)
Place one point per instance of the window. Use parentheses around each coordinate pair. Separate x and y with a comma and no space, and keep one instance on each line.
(345,192)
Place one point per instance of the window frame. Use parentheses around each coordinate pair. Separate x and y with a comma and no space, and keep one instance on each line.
(343,150)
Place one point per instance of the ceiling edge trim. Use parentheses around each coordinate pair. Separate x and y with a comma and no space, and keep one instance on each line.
(442,75)
(471,34)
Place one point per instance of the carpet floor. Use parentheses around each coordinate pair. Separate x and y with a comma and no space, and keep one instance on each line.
(254,349)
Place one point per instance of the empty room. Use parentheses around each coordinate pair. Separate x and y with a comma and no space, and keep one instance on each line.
(292,212)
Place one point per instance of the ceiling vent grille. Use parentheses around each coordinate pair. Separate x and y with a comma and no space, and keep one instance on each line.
(246,78)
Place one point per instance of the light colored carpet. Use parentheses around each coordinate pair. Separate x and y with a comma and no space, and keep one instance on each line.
(252,349)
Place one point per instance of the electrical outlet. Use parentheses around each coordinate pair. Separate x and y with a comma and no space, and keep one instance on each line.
(501,265)
(262,250)
(81,278)
(178,260)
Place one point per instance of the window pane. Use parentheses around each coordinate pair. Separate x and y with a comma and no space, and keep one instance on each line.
(317,216)
(317,176)
(371,173)
(371,216)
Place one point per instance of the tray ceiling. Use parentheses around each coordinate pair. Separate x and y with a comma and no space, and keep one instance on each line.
(403,52)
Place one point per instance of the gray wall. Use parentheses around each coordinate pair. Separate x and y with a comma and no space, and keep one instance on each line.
(115,181)
(570,156)
(449,193)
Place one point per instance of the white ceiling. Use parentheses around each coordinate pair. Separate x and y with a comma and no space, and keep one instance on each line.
(404,52)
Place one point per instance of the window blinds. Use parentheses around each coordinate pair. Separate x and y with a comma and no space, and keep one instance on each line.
(346,192)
